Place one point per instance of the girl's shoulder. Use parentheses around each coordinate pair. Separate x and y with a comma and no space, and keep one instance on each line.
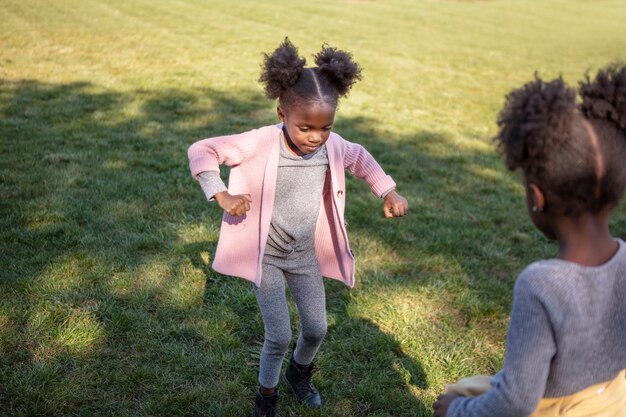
(335,137)
(266,132)
(263,131)
(261,136)
(270,131)
(339,142)
(539,274)
(561,275)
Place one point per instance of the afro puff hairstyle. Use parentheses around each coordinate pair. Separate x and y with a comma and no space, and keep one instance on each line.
(285,78)
(575,152)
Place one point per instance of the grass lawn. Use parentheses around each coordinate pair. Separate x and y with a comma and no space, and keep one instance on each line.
(108,305)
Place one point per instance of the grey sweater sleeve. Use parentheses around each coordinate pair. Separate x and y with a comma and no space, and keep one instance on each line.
(211,183)
(387,192)
(519,386)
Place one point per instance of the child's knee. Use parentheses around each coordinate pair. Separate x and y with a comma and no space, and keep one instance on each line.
(278,342)
(315,333)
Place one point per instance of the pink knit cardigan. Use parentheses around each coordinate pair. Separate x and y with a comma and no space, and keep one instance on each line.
(253,158)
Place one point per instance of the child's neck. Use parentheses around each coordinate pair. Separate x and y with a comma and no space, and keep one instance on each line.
(586,240)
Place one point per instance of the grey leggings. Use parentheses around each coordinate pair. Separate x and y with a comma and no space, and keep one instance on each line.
(302,274)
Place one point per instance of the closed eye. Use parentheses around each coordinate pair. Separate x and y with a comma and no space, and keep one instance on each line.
(308,129)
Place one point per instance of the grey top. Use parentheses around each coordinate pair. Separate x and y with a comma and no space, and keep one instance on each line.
(567,332)
(299,186)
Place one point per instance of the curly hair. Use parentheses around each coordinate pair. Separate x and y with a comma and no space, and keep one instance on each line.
(285,78)
(575,152)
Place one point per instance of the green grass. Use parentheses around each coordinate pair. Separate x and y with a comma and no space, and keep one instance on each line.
(108,306)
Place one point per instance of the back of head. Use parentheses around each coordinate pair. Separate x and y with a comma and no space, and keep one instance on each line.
(285,78)
(575,152)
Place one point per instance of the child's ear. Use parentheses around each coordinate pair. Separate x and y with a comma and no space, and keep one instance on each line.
(281,114)
(537,197)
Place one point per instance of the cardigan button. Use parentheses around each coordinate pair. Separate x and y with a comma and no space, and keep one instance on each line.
(339,194)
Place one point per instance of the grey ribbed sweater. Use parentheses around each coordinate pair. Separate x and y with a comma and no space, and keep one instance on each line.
(567,332)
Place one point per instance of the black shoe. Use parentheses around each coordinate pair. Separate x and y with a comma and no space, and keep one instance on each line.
(298,380)
(265,405)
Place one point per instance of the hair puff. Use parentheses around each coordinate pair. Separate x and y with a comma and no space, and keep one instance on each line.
(536,120)
(338,67)
(281,69)
(605,96)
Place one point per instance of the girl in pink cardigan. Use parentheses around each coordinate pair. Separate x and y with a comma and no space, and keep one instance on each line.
(284,209)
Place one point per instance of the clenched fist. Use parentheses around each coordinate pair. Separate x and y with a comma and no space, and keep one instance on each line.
(235,205)
(395,205)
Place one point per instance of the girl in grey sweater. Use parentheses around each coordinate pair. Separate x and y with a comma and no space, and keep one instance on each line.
(567,333)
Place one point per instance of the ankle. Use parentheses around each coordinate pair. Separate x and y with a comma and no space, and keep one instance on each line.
(299,365)
(267,391)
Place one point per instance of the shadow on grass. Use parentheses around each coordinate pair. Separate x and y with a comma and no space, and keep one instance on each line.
(370,373)
(356,349)
(98,314)
(109,306)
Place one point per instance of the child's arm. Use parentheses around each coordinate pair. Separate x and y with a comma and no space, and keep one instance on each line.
(360,163)
(215,189)
(209,154)
(530,347)
(205,157)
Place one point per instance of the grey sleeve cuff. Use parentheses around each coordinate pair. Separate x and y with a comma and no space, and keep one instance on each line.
(211,183)
(387,192)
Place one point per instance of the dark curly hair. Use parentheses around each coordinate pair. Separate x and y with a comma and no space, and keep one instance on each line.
(285,78)
(575,152)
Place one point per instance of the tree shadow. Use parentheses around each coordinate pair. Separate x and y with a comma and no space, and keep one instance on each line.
(96,192)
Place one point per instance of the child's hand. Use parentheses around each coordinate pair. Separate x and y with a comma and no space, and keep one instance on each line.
(235,205)
(395,205)
(441,405)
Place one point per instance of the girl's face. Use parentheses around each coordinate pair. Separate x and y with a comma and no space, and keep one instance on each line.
(307,127)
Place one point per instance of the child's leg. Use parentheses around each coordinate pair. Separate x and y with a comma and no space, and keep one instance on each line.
(307,288)
(273,305)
